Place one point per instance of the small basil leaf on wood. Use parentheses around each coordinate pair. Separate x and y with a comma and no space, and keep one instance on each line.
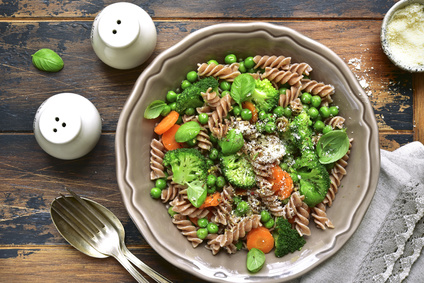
(154,109)
(332,146)
(196,193)
(47,60)
(255,260)
(187,131)
(242,87)
(231,143)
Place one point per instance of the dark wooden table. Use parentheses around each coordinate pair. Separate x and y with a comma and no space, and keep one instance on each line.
(30,247)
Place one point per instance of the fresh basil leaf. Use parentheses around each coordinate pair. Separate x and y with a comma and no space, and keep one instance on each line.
(332,146)
(196,193)
(255,260)
(242,87)
(231,143)
(154,109)
(187,131)
(47,60)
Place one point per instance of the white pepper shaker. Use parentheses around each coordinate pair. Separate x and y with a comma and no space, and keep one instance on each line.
(67,126)
(123,35)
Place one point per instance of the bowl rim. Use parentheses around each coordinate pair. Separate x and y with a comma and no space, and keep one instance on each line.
(385,45)
(122,135)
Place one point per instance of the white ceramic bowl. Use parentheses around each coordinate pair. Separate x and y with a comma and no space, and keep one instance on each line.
(385,44)
(134,134)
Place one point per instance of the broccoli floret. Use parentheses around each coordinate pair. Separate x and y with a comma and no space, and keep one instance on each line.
(191,97)
(187,165)
(264,96)
(314,178)
(287,239)
(238,171)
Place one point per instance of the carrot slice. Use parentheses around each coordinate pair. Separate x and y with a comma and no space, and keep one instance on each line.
(168,138)
(282,183)
(249,105)
(167,122)
(260,238)
(212,200)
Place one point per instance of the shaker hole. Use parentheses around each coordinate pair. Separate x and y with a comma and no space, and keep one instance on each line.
(118,22)
(64,125)
(55,130)
(114,31)
(57,119)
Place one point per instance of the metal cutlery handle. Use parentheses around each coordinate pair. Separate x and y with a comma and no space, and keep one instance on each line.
(143,267)
(129,267)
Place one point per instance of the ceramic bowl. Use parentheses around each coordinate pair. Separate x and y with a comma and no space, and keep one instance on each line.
(383,37)
(167,70)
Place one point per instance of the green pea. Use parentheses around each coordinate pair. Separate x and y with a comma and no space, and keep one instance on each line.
(211,190)
(242,67)
(236,110)
(319,125)
(279,111)
(246,114)
(213,62)
(173,105)
(213,154)
(313,112)
(220,182)
(209,163)
(306,98)
(242,208)
(225,92)
(305,107)
(202,222)
(160,183)
(224,85)
(202,233)
(270,127)
(212,228)
(282,90)
(191,142)
(316,101)
(262,115)
(165,111)
(249,63)
(334,110)
(211,181)
(171,96)
(287,112)
(203,118)
(269,224)
(171,212)
(155,193)
(191,76)
(230,59)
(265,216)
(185,84)
(190,111)
(325,112)
(327,129)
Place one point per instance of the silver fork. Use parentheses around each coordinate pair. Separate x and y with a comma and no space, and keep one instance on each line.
(100,232)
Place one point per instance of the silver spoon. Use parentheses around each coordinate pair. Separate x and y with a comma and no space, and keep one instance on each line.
(76,218)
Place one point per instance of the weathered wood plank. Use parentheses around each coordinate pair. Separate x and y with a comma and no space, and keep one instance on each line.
(66,264)
(203,9)
(419,106)
(24,88)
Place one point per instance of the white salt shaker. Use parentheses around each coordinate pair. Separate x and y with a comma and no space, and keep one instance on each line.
(123,35)
(67,126)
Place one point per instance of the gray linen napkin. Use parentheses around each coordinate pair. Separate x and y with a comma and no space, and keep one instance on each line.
(388,243)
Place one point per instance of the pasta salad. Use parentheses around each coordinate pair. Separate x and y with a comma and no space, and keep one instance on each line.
(248,153)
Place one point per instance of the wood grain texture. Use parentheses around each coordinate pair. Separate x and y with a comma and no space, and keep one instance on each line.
(202,9)
(419,106)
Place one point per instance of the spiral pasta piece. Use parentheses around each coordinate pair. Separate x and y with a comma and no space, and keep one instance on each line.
(291,94)
(319,215)
(316,88)
(215,122)
(335,122)
(171,192)
(282,77)
(157,151)
(269,198)
(203,140)
(224,72)
(295,201)
(296,106)
(279,62)
(187,229)
(300,68)
(212,98)
(301,220)
(183,206)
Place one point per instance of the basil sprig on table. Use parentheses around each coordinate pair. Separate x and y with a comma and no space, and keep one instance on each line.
(47,60)
(242,87)
(332,146)
(154,109)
